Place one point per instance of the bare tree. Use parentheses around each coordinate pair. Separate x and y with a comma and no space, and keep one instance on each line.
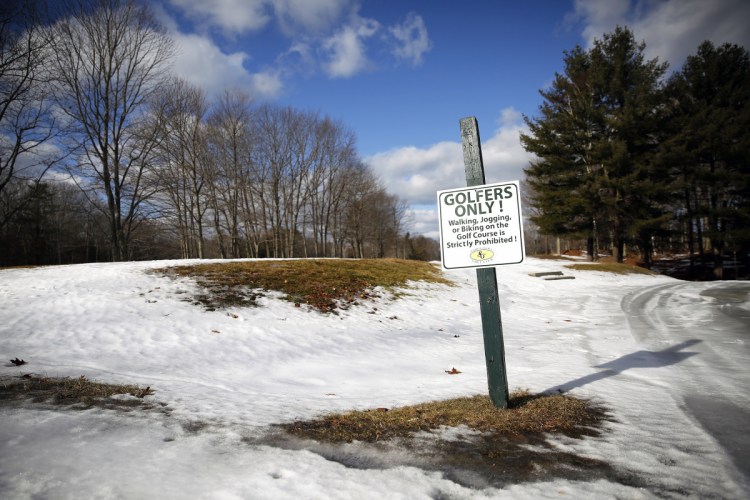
(300,128)
(110,58)
(231,148)
(26,123)
(183,170)
(327,182)
(372,218)
(273,159)
(361,190)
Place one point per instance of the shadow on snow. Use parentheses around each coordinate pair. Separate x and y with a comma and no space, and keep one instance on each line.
(639,359)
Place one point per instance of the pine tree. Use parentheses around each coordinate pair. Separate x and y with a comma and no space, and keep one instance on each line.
(713,93)
(596,141)
(563,178)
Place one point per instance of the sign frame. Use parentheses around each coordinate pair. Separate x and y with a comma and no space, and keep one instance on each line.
(481,226)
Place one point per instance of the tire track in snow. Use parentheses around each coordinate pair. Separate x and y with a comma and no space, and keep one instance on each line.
(714,385)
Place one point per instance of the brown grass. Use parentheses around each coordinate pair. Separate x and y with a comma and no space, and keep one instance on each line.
(526,414)
(611,267)
(65,390)
(555,257)
(324,284)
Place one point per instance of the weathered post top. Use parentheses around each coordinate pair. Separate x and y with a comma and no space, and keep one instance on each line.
(473,163)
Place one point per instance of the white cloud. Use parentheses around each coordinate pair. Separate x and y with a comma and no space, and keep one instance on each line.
(509,117)
(34,159)
(200,62)
(672,29)
(600,16)
(422,221)
(310,16)
(233,17)
(416,174)
(345,50)
(266,84)
(325,35)
(504,156)
(412,38)
(238,17)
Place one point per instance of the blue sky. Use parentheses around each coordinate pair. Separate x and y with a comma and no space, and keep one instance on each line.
(401,73)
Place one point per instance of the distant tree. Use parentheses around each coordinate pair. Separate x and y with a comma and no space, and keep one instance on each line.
(184,165)
(710,147)
(421,247)
(361,191)
(386,213)
(26,120)
(110,58)
(326,183)
(290,144)
(303,151)
(53,226)
(234,181)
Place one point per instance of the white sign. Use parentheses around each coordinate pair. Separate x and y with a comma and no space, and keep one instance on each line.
(481,226)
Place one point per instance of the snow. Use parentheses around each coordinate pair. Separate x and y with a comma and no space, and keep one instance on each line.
(223,378)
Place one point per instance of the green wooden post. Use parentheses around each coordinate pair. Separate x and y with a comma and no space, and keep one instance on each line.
(489,302)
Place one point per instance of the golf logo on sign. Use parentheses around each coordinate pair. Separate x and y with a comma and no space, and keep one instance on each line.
(482,255)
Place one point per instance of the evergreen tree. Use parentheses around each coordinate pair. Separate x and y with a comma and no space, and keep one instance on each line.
(713,109)
(563,178)
(629,97)
(596,141)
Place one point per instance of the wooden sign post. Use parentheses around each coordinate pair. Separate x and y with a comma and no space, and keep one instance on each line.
(489,302)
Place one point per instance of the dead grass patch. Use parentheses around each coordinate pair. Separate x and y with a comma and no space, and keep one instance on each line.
(501,447)
(64,391)
(324,284)
(611,267)
(556,257)
(526,414)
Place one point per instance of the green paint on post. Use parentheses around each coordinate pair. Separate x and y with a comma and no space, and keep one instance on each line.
(489,302)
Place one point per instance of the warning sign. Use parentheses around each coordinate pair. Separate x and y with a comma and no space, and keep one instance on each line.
(481,226)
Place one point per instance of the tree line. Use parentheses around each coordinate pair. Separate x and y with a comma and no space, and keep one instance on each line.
(105,155)
(628,158)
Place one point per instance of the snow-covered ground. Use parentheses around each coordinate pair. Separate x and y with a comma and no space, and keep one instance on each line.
(224,377)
